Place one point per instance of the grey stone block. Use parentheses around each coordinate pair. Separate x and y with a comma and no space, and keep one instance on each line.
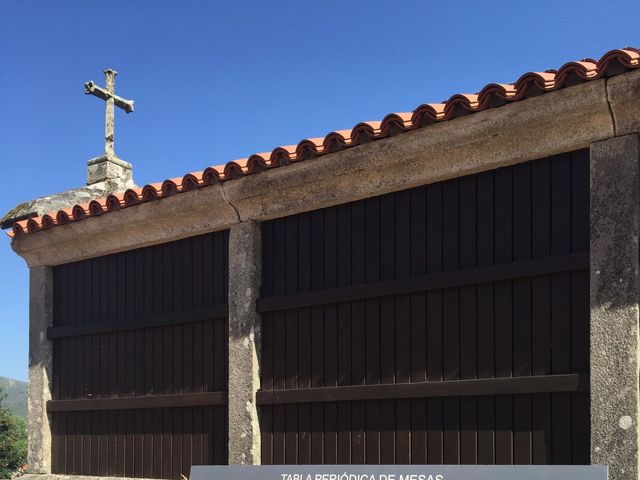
(615,286)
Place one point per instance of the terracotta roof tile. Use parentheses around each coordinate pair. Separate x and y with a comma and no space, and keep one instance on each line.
(493,95)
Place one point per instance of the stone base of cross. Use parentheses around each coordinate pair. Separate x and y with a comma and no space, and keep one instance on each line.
(107,167)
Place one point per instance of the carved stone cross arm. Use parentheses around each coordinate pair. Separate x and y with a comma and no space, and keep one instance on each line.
(90,88)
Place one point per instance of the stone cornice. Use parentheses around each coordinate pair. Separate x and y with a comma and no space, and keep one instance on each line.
(556,122)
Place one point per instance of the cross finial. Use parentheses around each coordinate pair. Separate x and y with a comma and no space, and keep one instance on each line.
(108,94)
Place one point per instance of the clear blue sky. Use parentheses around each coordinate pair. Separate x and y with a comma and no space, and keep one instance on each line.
(215,81)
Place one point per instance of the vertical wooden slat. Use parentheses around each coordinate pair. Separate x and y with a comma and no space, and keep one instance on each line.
(358,333)
(112,443)
(167,451)
(86,442)
(304,339)
(522,312)
(434,324)
(67,366)
(71,294)
(418,327)
(290,248)
(372,328)
(541,309)
(580,424)
(196,450)
(103,442)
(207,436)
(317,380)
(220,436)
(95,443)
(451,320)
(120,442)
(402,314)
(344,339)
(129,448)
(279,345)
(387,329)
(187,457)
(330,239)
(504,313)
(183,375)
(176,443)
(468,319)
(561,307)
(78,454)
(485,313)
(267,377)
(138,444)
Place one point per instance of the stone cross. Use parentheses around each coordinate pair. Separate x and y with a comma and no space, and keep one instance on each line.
(109,96)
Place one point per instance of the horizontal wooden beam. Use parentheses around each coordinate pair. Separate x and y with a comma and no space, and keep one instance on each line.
(433,281)
(135,403)
(447,388)
(146,321)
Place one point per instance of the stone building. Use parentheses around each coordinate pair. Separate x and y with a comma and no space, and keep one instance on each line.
(458,284)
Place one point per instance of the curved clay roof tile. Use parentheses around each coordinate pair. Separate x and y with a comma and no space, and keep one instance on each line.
(210,175)
(495,95)
(427,114)
(256,164)
(169,187)
(189,182)
(334,142)
(307,149)
(47,221)
(364,132)
(113,203)
(459,105)
(63,217)
(395,123)
(232,170)
(279,157)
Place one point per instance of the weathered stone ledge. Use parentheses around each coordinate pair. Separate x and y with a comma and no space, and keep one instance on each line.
(553,123)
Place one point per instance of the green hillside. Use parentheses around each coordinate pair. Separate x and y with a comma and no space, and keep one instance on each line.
(16,392)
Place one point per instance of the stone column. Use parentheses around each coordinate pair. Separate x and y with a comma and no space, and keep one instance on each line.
(615,286)
(40,356)
(245,270)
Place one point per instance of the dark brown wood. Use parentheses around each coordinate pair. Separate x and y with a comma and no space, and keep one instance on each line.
(148,321)
(561,308)
(445,388)
(503,311)
(485,317)
(450,282)
(521,292)
(468,319)
(140,370)
(435,281)
(141,402)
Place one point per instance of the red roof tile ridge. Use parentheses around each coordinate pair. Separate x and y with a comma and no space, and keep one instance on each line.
(491,95)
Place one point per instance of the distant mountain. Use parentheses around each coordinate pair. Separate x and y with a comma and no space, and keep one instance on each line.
(16,392)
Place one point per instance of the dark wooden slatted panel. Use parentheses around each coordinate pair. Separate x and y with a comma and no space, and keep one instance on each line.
(185,275)
(123,443)
(132,367)
(140,369)
(487,277)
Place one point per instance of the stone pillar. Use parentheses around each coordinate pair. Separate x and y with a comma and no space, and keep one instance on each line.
(245,270)
(40,356)
(615,286)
